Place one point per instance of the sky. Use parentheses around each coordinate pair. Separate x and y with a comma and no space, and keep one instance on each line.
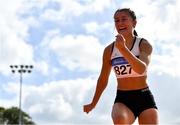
(64,41)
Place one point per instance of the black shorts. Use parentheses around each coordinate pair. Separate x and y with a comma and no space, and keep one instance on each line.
(136,100)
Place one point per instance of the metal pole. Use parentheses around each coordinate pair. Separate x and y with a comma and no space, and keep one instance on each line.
(20,96)
(21,69)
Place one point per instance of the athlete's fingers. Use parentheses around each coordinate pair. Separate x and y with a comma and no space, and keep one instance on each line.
(120,37)
(86,109)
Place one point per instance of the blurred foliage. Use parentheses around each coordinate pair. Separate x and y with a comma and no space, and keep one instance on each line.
(11,116)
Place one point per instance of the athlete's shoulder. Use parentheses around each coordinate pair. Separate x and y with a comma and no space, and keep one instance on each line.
(145,46)
(108,49)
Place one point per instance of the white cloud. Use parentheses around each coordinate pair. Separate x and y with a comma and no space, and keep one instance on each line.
(75,52)
(167,61)
(52,107)
(43,67)
(95,27)
(73,8)
(98,5)
(54,102)
(91,27)
(13,47)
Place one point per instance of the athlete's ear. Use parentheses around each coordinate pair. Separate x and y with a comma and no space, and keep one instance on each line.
(134,23)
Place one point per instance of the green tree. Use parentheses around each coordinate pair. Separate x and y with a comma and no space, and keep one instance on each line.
(1,114)
(11,116)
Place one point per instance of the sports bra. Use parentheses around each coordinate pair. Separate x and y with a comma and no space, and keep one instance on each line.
(120,65)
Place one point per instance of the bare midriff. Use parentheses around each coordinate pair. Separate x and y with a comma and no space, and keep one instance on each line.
(132,83)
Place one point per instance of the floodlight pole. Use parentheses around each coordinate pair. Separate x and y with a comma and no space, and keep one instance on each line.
(20,97)
(21,69)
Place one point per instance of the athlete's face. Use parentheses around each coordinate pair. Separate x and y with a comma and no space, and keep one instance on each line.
(124,23)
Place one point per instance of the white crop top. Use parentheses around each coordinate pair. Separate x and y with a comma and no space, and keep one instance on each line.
(119,64)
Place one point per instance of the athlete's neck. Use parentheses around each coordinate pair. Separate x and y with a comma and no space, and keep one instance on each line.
(129,40)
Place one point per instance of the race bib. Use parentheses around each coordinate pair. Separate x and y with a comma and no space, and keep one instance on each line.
(122,68)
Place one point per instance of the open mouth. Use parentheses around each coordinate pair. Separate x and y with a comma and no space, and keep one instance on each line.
(121,29)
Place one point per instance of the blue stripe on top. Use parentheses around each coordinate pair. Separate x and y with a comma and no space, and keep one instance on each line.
(118,61)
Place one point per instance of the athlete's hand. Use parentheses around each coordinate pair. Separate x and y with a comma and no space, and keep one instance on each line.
(120,41)
(87,108)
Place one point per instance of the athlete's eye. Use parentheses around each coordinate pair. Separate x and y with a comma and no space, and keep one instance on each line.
(120,20)
(123,19)
(116,21)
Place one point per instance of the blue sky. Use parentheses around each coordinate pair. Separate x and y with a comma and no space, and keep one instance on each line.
(64,40)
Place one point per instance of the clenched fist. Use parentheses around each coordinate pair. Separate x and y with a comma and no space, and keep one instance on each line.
(87,108)
(120,41)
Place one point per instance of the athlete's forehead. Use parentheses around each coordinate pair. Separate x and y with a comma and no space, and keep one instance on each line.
(121,15)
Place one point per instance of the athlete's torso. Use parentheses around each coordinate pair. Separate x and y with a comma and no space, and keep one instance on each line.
(126,76)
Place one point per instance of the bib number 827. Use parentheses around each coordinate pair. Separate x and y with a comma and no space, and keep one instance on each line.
(123,69)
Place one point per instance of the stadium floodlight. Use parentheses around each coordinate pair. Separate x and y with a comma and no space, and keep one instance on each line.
(21,69)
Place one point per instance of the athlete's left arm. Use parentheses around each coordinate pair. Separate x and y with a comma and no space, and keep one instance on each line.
(140,64)
(145,51)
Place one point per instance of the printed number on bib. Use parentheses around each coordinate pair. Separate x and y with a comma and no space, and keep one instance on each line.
(123,69)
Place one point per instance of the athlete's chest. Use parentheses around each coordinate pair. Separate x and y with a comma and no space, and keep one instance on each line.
(120,65)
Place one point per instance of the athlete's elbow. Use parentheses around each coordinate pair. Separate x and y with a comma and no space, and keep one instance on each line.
(141,69)
(102,82)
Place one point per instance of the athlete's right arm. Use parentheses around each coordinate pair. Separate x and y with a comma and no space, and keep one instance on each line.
(102,80)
